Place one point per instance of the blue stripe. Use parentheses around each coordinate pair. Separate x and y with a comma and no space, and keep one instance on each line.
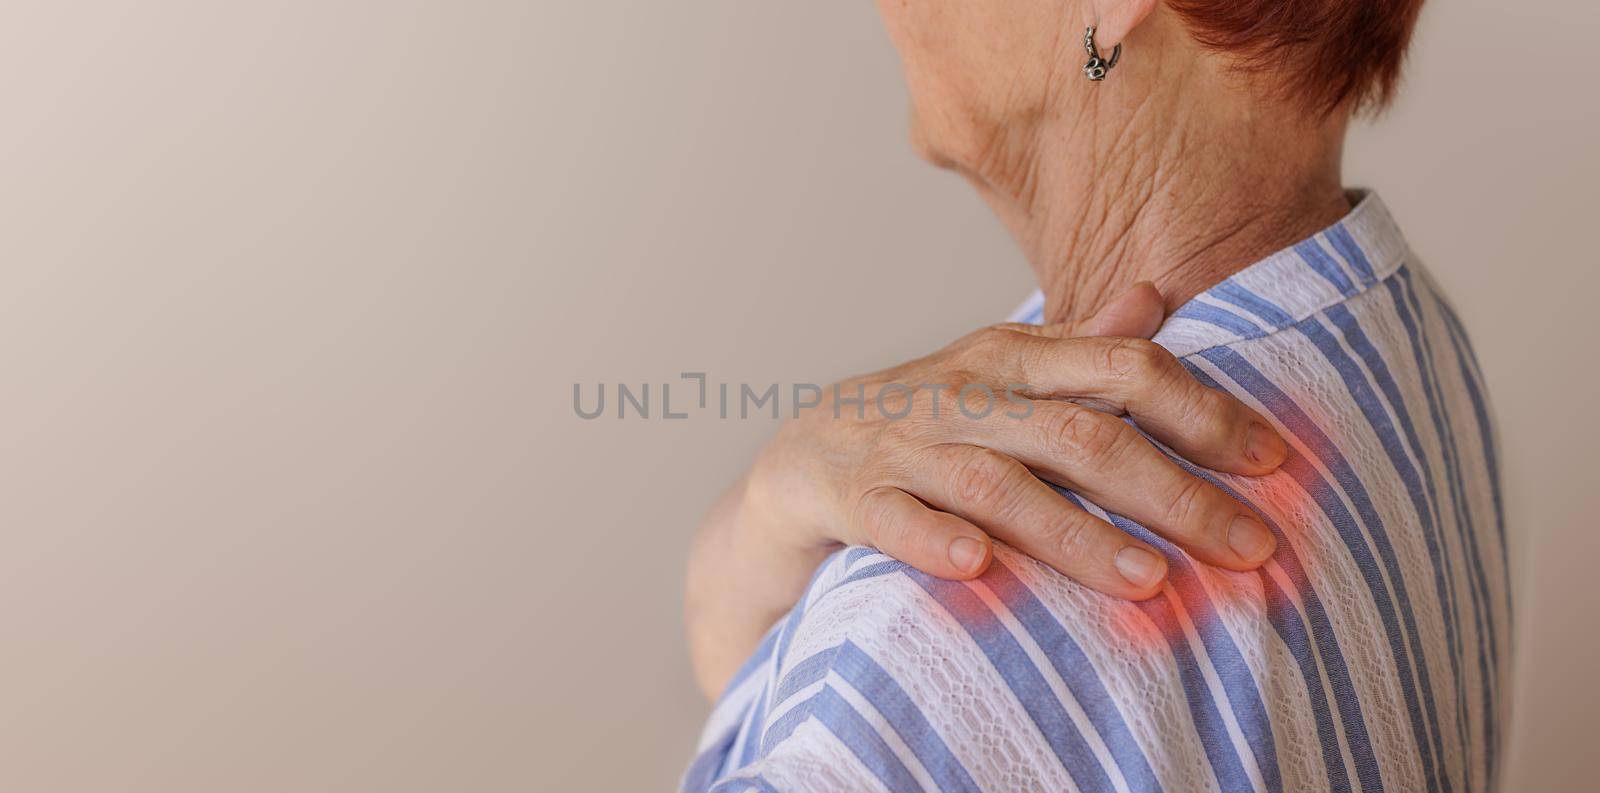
(744,785)
(1472,378)
(738,743)
(748,746)
(1405,302)
(1462,351)
(1210,727)
(833,712)
(1361,392)
(864,741)
(1424,502)
(1216,316)
(784,726)
(1291,629)
(857,554)
(872,571)
(1021,676)
(904,717)
(1291,417)
(1076,672)
(1297,636)
(803,674)
(1238,682)
(1322,264)
(1347,247)
(708,764)
(1249,301)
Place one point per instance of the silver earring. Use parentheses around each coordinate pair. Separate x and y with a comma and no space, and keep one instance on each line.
(1096,69)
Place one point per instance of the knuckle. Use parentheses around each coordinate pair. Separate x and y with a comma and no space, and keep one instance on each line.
(1209,411)
(905,438)
(941,400)
(1072,536)
(1199,405)
(908,431)
(1082,434)
(985,337)
(876,516)
(1136,360)
(982,478)
(1187,503)
(989,343)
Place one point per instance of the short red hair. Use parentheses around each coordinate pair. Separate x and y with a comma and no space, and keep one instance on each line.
(1322,52)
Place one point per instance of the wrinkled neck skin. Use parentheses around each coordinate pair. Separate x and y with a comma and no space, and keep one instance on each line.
(1169,171)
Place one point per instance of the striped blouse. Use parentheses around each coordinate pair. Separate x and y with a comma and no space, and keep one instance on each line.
(1370,653)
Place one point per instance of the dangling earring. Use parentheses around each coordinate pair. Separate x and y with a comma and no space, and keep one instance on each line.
(1096,69)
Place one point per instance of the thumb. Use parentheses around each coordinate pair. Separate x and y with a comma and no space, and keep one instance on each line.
(1136,313)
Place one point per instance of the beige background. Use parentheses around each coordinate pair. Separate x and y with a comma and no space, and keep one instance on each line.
(292,296)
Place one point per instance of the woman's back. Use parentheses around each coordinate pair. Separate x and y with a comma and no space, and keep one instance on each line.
(1370,653)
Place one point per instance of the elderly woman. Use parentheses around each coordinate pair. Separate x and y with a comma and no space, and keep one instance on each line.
(1263,551)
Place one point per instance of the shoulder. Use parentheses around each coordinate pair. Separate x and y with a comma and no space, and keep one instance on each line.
(837,697)
(893,675)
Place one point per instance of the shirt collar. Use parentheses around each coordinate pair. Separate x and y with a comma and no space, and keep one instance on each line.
(1330,267)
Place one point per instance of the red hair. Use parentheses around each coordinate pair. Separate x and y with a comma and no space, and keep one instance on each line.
(1323,53)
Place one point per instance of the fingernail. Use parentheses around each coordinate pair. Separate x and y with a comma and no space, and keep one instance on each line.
(1250,540)
(1264,447)
(966,554)
(1140,567)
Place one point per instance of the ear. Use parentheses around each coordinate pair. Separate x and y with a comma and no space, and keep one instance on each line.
(1115,19)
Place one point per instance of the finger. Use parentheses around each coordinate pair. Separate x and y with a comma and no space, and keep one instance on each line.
(999,495)
(1104,459)
(1136,313)
(1204,425)
(934,542)
(1143,379)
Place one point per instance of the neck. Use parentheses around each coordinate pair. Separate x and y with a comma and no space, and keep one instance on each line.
(1185,196)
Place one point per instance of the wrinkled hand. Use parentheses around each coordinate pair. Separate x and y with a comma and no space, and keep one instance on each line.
(932,486)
